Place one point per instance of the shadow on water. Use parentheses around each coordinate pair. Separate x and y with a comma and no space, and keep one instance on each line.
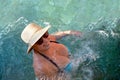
(95,55)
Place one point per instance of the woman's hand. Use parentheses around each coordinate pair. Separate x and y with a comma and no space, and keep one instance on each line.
(76,33)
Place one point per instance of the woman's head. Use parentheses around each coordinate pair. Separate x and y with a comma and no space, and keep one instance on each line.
(32,33)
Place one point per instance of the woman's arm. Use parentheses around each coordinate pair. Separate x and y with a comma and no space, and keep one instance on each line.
(59,35)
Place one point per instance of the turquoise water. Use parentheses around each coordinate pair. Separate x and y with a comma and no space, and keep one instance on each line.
(96,55)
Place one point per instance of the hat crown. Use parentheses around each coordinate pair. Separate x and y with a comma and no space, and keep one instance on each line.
(29,31)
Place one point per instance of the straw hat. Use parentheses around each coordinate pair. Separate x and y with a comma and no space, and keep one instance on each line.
(32,33)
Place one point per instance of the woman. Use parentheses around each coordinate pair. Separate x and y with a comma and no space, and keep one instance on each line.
(50,58)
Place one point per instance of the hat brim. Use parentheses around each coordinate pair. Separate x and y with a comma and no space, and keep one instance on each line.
(36,37)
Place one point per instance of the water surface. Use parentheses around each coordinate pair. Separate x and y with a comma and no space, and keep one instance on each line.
(96,55)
